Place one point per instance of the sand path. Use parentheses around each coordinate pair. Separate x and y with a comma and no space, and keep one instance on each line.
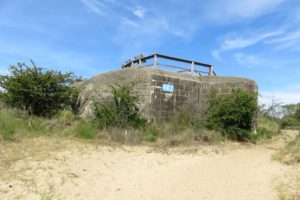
(85,171)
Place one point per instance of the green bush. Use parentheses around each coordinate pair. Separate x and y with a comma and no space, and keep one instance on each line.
(233,114)
(291,117)
(150,132)
(121,110)
(272,125)
(37,91)
(297,113)
(290,122)
(183,120)
(261,133)
(66,117)
(86,130)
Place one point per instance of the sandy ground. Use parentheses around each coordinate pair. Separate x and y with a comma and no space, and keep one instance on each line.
(76,170)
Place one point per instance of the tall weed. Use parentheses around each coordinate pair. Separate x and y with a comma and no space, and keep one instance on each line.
(8,125)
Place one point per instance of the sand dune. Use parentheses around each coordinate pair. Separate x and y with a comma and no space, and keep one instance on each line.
(89,171)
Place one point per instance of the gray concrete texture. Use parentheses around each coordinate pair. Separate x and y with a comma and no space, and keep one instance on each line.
(190,92)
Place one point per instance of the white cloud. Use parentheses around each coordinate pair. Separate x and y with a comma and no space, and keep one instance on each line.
(247,60)
(216,55)
(94,6)
(228,11)
(286,38)
(139,11)
(290,40)
(130,23)
(233,42)
(254,60)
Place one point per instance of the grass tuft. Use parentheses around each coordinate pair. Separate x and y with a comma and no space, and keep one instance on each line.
(8,125)
(86,130)
(291,153)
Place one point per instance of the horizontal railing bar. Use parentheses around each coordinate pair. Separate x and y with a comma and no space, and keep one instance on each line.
(182,60)
(195,71)
(172,66)
(169,58)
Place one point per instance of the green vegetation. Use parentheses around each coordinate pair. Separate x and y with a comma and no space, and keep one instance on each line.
(290,154)
(289,109)
(39,92)
(267,128)
(15,124)
(86,130)
(297,113)
(117,118)
(269,124)
(8,125)
(49,194)
(233,114)
(182,128)
(150,132)
(120,111)
(292,119)
(35,101)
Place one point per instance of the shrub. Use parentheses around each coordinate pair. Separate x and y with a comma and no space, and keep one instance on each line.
(297,113)
(272,125)
(233,114)
(150,132)
(121,110)
(261,133)
(267,128)
(290,122)
(37,91)
(66,117)
(86,130)
(183,120)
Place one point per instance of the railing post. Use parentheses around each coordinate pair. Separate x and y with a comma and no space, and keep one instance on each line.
(193,67)
(211,70)
(155,61)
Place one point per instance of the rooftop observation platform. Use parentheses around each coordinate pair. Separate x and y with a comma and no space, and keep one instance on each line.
(179,65)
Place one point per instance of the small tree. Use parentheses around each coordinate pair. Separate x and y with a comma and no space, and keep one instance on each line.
(297,113)
(289,109)
(121,110)
(233,114)
(38,91)
(275,110)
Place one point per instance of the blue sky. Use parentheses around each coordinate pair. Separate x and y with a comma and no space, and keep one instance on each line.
(256,39)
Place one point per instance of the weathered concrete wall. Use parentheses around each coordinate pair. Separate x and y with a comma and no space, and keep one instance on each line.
(155,104)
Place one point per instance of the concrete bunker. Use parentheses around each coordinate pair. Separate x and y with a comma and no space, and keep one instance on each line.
(162,93)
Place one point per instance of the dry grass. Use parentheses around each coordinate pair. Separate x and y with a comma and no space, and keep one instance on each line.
(289,189)
(290,154)
(11,152)
(21,158)
(48,194)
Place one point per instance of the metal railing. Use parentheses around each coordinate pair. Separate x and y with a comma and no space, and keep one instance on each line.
(141,61)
